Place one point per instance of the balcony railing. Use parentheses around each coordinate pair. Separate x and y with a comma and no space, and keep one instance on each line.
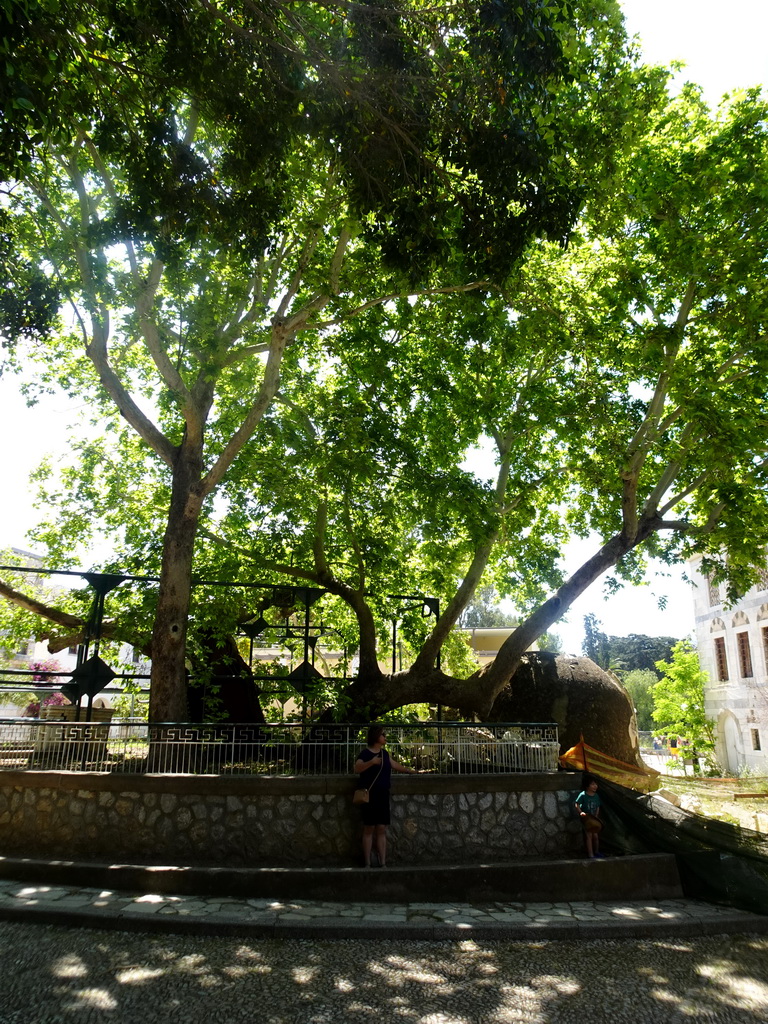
(129,745)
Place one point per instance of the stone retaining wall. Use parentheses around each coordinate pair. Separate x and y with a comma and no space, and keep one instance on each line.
(258,821)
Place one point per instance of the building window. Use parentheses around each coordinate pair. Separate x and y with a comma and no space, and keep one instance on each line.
(765,647)
(135,656)
(721,661)
(23,649)
(714,592)
(756,739)
(745,655)
(762,579)
(72,650)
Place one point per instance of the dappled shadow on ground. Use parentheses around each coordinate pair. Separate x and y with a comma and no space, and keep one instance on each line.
(57,975)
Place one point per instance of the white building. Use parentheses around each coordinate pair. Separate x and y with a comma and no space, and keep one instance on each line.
(733,651)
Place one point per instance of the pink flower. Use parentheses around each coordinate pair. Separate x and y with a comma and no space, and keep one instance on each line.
(41,670)
(56,700)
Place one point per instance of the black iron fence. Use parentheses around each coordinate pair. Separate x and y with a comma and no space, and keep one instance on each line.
(280,633)
(132,745)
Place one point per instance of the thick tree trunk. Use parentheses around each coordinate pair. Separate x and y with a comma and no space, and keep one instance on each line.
(168,699)
(373,697)
(230,679)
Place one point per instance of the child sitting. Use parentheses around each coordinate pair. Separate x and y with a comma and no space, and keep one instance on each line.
(588,805)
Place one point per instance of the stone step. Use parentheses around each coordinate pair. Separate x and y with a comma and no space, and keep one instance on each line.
(641,877)
(261,918)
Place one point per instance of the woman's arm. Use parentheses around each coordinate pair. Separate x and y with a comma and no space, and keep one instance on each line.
(361,765)
(397,767)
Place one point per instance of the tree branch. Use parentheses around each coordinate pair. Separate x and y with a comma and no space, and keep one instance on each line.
(276,567)
(144,301)
(112,192)
(318,539)
(491,679)
(650,428)
(30,604)
(238,355)
(308,249)
(338,258)
(447,290)
(144,427)
(426,657)
(268,390)
(668,476)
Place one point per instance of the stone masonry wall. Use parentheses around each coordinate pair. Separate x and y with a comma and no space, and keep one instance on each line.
(253,821)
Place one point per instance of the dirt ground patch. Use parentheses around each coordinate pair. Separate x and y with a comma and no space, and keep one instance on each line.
(741,802)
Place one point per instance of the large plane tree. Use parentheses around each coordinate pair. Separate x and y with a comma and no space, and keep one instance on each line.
(622,382)
(215,191)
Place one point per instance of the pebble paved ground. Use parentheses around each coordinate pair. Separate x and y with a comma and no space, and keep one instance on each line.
(52,975)
(222,960)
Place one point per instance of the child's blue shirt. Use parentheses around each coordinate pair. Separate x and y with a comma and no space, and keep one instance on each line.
(589,802)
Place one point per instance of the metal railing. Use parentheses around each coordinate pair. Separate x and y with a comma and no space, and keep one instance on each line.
(131,745)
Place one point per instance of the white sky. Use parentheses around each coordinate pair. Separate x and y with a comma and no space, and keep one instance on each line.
(724,43)
(725,47)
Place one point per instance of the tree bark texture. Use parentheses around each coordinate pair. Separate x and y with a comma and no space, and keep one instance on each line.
(168,702)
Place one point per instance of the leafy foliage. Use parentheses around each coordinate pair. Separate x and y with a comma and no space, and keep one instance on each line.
(314,253)
(29,301)
(639,683)
(678,699)
(483,611)
(624,654)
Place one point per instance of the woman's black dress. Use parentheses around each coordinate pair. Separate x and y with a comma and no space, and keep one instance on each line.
(376,811)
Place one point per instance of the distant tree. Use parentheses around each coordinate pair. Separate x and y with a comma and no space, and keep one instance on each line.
(640,683)
(637,651)
(484,612)
(595,645)
(551,642)
(624,653)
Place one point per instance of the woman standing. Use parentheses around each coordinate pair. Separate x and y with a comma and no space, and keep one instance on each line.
(375,767)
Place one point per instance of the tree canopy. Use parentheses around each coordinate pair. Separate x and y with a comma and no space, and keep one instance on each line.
(634,652)
(314,253)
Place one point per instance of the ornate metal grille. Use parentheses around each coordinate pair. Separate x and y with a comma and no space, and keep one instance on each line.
(293,631)
(134,746)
